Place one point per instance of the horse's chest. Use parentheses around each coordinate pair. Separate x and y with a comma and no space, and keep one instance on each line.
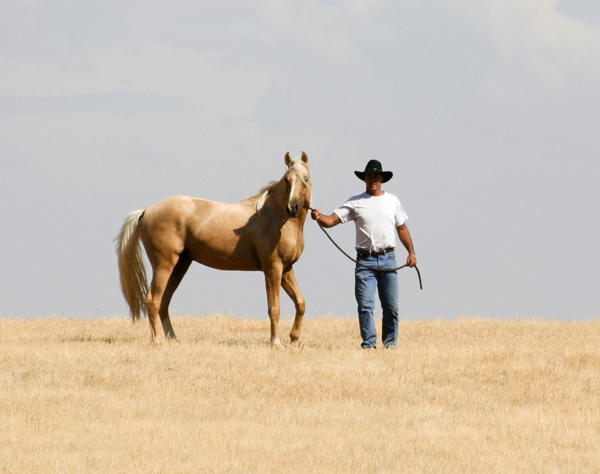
(291,248)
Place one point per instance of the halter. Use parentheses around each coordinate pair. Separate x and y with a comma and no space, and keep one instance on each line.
(295,171)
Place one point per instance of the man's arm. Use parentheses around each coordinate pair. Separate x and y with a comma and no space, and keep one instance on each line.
(406,240)
(325,221)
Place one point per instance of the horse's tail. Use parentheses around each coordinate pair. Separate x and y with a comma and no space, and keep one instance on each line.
(131,265)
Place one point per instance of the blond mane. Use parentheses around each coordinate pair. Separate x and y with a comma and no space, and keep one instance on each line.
(260,197)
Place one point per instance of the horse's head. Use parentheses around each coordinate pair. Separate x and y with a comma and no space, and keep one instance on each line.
(297,178)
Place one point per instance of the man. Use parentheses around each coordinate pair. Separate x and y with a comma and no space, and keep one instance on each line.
(377,216)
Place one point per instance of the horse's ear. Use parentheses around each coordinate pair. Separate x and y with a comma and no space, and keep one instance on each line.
(304,157)
(288,159)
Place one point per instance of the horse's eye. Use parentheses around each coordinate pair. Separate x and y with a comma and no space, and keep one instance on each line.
(306,179)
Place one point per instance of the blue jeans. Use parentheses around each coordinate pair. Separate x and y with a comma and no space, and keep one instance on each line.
(365,283)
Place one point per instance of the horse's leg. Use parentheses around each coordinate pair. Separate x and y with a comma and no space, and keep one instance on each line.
(273,282)
(176,276)
(160,280)
(290,286)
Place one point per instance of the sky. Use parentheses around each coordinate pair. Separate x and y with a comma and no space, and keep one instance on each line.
(487,112)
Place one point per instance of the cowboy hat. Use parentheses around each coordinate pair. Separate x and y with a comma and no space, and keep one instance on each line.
(374,166)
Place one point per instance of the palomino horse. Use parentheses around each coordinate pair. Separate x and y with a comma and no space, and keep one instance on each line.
(263,233)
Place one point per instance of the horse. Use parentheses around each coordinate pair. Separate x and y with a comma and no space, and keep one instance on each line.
(261,233)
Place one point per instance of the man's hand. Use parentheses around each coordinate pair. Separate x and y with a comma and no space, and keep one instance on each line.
(325,221)
(411,261)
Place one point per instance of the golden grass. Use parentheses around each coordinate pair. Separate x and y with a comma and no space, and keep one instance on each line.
(471,395)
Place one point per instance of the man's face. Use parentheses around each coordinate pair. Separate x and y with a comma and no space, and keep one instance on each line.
(373,181)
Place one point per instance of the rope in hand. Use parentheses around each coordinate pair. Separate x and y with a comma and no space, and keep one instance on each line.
(362,264)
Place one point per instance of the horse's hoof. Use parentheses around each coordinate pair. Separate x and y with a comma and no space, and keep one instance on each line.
(277,345)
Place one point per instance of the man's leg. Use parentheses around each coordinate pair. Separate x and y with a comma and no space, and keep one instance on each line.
(388,295)
(365,284)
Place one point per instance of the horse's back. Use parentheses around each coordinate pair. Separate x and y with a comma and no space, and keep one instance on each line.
(177,214)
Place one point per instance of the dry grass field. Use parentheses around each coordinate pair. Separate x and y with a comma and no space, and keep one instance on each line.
(472,396)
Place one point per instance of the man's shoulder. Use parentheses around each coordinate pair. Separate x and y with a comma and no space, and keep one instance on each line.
(391,199)
(356,198)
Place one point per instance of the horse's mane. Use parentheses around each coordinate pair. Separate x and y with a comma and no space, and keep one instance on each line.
(259,198)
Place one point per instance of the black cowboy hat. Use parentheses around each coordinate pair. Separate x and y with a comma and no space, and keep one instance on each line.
(374,166)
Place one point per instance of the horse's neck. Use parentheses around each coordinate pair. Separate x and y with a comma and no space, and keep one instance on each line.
(277,199)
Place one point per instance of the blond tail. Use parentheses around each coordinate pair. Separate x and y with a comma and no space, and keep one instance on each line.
(131,265)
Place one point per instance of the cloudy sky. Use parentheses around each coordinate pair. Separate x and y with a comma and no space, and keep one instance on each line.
(487,112)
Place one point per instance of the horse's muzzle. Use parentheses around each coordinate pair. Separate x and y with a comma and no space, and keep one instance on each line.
(293,209)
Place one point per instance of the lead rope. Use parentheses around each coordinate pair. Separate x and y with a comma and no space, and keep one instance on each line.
(362,264)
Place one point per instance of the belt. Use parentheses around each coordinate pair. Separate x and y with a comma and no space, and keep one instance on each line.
(367,253)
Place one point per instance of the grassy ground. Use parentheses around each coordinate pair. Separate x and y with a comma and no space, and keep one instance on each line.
(471,395)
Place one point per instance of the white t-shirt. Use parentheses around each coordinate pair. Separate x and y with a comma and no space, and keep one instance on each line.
(375,218)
